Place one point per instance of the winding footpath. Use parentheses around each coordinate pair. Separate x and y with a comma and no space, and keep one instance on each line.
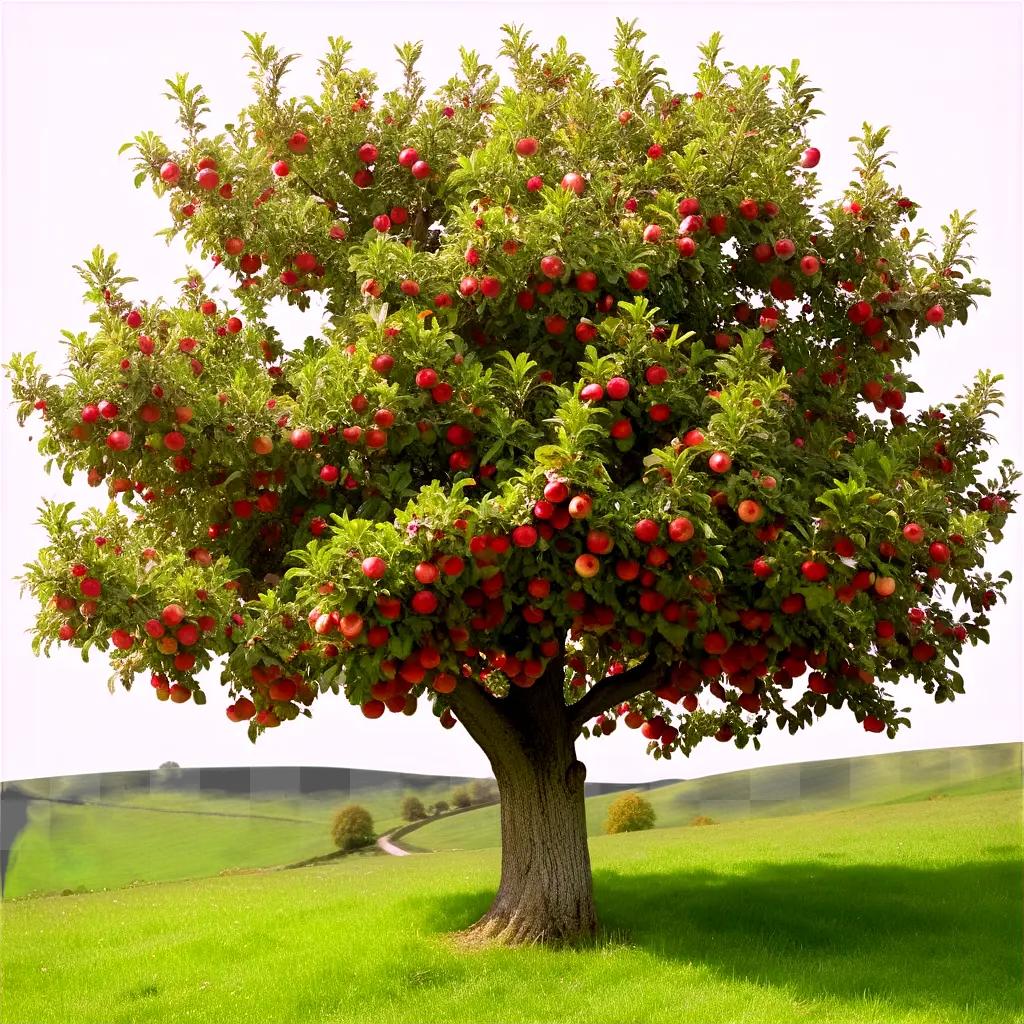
(384,843)
(388,845)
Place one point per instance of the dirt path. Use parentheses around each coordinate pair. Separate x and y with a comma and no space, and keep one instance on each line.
(384,843)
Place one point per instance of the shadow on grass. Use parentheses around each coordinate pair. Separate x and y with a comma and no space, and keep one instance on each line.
(947,936)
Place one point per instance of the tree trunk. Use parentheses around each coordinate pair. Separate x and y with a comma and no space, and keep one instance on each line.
(546,890)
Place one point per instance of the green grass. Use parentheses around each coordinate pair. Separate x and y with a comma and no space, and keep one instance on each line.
(904,914)
(776,791)
(68,847)
(131,837)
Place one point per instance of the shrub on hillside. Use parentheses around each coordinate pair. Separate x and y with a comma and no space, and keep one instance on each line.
(413,809)
(629,813)
(482,791)
(352,827)
(461,797)
(440,807)
(703,819)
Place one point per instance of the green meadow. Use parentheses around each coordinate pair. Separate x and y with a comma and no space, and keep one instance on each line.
(905,912)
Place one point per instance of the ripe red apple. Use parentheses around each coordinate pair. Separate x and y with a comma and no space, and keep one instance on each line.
(784,248)
(587,566)
(580,506)
(810,265)
(374,567)
(119,440)
(719,462)
(574,182)
(170,172)
(420,170)
(556,491)
(617,388)
(407,157)
(552,266)
(913,532)
(686,247)
(424,602)
(172,615)
(844,547)
(749,511)
(527,146)
(814,571)
(680,529)
(646,531)
(935,315)
(122,639)
(524,536)
(373,708)
(301,438)
(299,142)
(637,279)
(810,157)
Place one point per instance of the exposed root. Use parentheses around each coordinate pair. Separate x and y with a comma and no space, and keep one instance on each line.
(494,929)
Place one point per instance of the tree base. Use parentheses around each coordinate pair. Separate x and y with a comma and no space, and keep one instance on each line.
(525,929)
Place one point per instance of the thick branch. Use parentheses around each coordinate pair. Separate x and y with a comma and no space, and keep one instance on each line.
(615,689)
(482,715)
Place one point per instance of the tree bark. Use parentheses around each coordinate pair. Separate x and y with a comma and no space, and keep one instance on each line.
(546,890)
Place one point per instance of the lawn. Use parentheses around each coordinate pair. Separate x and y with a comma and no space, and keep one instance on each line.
(906,913)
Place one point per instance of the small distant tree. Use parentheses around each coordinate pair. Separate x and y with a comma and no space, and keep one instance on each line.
(169,766)
(439,808)
(482,791)
(629,813)
(352,827)
(413,809)
(461,797)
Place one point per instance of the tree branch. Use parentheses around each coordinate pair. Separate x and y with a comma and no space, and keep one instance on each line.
(615,689)
(482,715)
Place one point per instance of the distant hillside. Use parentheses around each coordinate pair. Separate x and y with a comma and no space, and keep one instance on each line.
(778,790)
(113,828)
(109,830)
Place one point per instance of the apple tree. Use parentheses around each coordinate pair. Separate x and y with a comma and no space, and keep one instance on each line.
(609,421)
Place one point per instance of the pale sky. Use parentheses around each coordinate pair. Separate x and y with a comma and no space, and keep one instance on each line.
(80,79)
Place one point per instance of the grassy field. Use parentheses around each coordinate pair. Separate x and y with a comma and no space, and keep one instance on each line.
(68,847)
(776,791)
(166,834)
(906,913)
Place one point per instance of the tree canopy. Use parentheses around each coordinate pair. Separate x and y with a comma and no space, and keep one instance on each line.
(604,383)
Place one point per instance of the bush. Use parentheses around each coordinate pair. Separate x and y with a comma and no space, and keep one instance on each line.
(413,809)
(352,828)
(482,791)
(440,807)
(629,813)
(461,797)
(703,819)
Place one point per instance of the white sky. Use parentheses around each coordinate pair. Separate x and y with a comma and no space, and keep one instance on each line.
(80,79)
